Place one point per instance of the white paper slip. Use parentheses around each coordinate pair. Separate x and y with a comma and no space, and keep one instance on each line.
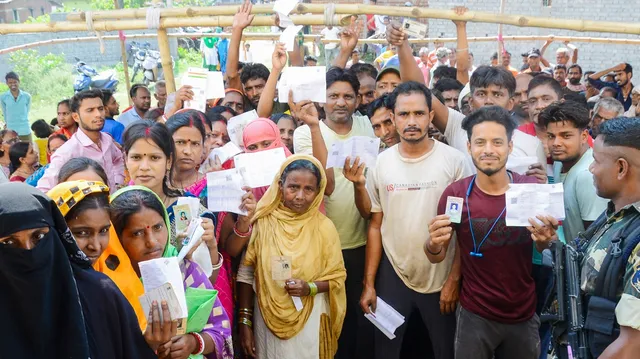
(284,6)
(202,256)
(193,237)
(157,272)
(260,168)
(288,36)
(215,85)
(520,165)
(197,79)
(285,21)
(414,28)
(236,126)
(225,152)
(224,191)
(297,302)
(307,83)
(166,293)
(366,148)
(385,318)
(527,200)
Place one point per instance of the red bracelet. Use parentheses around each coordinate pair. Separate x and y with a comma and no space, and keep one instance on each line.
(200,341)
(242,234)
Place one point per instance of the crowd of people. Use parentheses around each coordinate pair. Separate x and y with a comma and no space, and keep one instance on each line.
(101,188)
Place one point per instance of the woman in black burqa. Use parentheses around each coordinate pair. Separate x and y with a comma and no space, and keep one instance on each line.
(52,303)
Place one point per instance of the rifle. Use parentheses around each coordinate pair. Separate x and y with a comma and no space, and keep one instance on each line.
(570,338)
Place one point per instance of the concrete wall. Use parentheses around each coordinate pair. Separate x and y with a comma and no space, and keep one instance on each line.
(88,51)
(591,56)
(23,9)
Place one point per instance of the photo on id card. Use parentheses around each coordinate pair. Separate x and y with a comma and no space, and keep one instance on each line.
(454,209)
(182,215)
(280,267)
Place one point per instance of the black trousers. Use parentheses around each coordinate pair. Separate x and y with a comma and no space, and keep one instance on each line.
(440,328)
(356,339)
(480,338)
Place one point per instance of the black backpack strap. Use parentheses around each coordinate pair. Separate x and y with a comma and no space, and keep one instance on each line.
(585,237)
(614,264)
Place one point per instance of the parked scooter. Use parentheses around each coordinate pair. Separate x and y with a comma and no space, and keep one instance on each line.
(89,78)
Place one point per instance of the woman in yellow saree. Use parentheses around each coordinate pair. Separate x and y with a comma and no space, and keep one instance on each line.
(294,254)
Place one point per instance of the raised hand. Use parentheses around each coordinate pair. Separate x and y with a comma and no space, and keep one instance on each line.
(279,57)
(395,36)
(304,111)
(355,173)
(460,10)
(349,35)
(243,18)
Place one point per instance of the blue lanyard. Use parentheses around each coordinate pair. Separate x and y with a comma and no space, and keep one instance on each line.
(476,247)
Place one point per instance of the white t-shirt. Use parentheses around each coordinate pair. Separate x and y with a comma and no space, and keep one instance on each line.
(340,206)
(380,26)
(524,145)
(407,192)
(331,34)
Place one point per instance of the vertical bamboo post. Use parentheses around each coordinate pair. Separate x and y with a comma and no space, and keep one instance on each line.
(165,56)
(500,38)
(123,51)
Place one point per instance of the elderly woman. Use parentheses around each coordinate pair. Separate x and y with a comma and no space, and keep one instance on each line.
(65,317)
(294,254)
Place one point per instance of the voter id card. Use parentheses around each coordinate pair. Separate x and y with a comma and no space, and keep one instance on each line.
(280,267)
(454,209)
(414,28)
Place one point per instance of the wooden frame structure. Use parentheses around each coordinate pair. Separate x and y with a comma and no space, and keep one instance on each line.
(303,14)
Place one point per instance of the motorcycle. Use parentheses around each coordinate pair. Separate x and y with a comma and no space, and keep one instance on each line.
(138,53)
(89,78)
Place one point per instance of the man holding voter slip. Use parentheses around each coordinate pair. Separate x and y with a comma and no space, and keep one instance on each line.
(496,317)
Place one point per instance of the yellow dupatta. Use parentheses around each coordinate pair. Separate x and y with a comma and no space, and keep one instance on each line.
(312,241)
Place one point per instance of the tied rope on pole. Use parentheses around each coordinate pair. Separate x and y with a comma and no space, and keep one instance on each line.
(153,17)
(89,21)
(329,14)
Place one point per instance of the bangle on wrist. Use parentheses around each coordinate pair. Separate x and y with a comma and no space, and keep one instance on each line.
(433,253)
(220,262)
(313,289)
(242,234)
(200,349)
(246,322)
(247,311)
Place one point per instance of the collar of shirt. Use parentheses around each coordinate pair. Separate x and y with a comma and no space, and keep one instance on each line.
(614,216)
(85,141)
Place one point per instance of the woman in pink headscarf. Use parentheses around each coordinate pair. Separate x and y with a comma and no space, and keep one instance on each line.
(260,135)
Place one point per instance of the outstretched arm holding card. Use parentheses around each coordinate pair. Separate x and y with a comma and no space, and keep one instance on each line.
(409,70)
(278,61)
(237,233)
(440,234)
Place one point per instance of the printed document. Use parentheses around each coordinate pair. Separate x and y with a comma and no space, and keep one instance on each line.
(197,79)
(260,168)
(385,318)
(236,126)
(367,148)
(307,83)
(156,272)
(224,191)
(528,200)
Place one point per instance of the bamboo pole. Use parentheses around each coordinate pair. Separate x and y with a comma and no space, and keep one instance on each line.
(309,38)
(167,64)
(105,26)
(360,9)
(125,64)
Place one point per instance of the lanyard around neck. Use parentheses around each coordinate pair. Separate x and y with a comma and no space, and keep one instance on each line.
(476,247)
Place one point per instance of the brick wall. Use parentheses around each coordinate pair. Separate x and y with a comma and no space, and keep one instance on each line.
(591,56)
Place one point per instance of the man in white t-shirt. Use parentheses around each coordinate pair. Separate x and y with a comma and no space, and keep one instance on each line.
(331,49)
(405,188)
(340,124)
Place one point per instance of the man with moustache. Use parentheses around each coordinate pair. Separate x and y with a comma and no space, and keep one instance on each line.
(141,98)
(340,124)
(521,99)
(88,111)
(366,74)
(624,73)
(575,77)
(404,188)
